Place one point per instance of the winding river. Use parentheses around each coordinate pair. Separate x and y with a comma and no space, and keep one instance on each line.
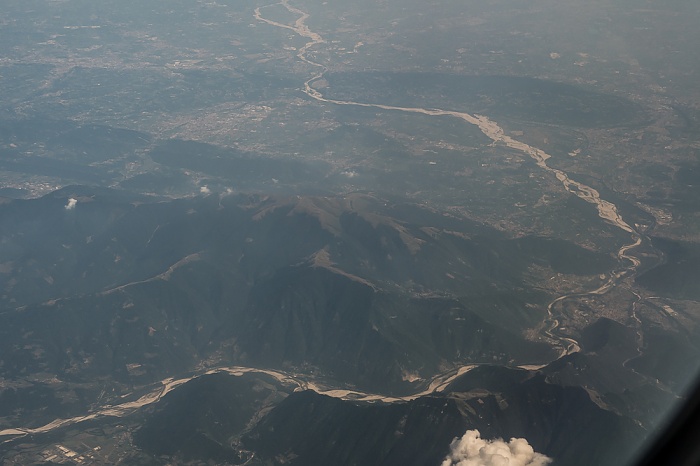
(159,390)
(607,211)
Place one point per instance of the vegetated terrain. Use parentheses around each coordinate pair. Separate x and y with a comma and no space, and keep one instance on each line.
(284,283)
(203,262)
(308,428)
(519,98)
(125,290)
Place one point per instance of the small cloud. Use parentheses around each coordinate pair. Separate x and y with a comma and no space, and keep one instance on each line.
(350,173)
(205,190)
(472,450)
(554,55)
(71,204)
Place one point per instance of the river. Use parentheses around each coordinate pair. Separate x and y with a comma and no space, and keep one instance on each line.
(607,211)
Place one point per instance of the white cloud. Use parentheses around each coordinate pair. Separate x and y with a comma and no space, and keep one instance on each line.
(71,204)
(472,450)
(205,190)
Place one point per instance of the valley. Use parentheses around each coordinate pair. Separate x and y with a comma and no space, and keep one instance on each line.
(300,233)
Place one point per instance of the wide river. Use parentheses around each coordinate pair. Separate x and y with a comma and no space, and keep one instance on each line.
(607,211)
